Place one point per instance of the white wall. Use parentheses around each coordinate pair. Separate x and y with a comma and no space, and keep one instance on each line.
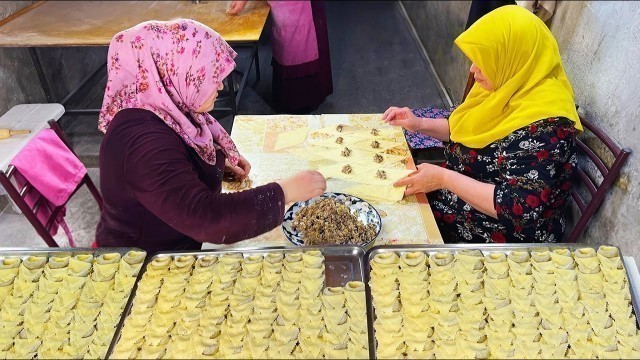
(600,46)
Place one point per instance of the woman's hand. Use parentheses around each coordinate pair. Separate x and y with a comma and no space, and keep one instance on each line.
(402,117)
(240,171)
(236,7)
(427,178)
(303,186)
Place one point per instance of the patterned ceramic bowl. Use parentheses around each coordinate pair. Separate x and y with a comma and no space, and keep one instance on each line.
(365,212)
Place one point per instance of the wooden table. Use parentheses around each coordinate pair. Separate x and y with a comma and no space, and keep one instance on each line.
(409,221)
(93,23)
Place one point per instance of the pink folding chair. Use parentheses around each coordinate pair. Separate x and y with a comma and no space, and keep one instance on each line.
(31,212)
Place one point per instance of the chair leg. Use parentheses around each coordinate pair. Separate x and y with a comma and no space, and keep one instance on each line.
(94,190)
(26,210)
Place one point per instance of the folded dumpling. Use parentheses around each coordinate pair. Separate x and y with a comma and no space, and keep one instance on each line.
(106,266)
(312,259)
(158,267)
(9,268)
(80,265)
(496,265)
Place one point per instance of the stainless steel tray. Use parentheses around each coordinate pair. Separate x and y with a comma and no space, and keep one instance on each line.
(26,252)
(485,249)
(343,263)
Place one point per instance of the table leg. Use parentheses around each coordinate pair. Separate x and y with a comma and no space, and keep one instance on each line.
(245,75)
(232,93)
(83,83)
(43,80)
(257,60)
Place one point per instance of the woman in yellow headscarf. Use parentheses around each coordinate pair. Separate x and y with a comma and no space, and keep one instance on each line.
(511,151)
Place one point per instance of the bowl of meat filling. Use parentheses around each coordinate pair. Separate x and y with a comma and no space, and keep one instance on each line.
(332,219)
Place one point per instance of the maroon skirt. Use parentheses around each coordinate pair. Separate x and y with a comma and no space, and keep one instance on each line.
(302,88)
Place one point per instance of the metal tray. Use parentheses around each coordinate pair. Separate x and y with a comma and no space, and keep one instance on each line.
(485,249)
(343,263)
(26,252)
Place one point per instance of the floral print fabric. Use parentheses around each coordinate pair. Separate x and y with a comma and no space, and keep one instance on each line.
(417,140)
(171,68)
(532,168)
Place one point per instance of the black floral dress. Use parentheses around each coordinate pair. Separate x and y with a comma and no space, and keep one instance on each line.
(533,170)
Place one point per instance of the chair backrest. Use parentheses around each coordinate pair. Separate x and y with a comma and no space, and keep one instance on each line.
(86,180)
(18,195)
(588,205)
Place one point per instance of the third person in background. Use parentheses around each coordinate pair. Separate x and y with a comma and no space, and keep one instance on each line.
(301,62)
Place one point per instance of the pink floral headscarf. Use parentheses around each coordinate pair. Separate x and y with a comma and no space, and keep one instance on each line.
(170,68)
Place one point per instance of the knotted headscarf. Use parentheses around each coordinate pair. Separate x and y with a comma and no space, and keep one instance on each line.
(519,55)
(170,68)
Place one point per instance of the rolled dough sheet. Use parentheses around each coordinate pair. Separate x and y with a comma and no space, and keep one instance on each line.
(379,193)
(363,174)
(291,138)
(384,131)
(332,130)
(335,154)
(387,160)
(347,140)
(309,153)
(369,177)
(384,144)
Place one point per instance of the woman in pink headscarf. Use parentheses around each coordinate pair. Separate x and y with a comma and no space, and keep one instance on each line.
(301,61)
(163,156)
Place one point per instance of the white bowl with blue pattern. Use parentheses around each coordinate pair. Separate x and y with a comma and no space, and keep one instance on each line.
(365,212)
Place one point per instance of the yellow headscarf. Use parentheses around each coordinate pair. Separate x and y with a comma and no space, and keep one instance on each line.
(519,55)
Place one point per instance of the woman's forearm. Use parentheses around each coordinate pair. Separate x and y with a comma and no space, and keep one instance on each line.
(436,128)
(474,192)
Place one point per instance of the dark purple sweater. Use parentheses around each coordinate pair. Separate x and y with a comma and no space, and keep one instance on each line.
(160,195)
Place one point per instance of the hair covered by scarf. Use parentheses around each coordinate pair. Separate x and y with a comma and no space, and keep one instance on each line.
(171,68)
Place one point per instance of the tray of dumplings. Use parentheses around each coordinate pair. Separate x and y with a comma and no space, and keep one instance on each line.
(63,303)
(303,302)
(500,301)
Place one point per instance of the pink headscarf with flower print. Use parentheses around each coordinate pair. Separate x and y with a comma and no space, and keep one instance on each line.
(170,68)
